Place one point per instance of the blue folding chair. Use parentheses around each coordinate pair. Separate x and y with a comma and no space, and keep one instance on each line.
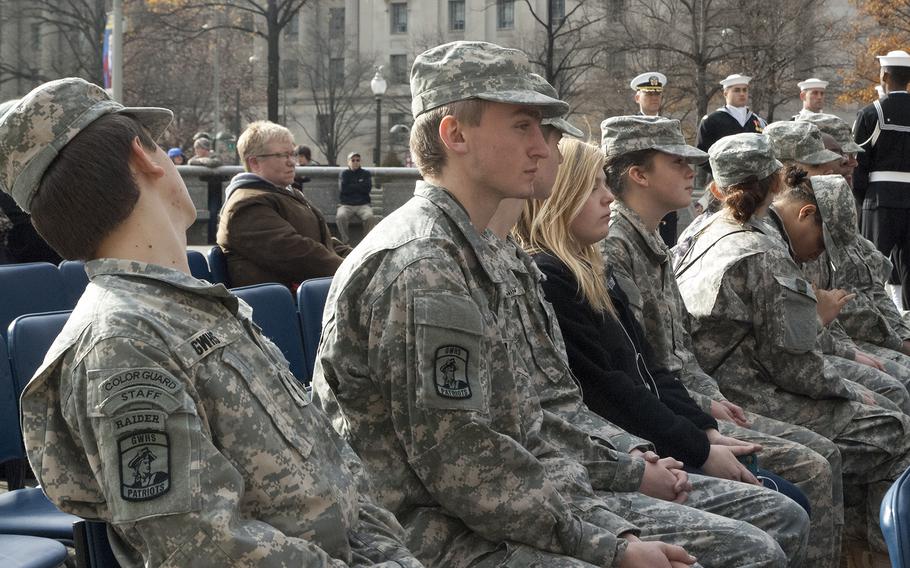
(30,552)
(12,454)
(894,518)
(27,511)
(311,296)
(74,279)
(274,311)
(30,288)
(199,266)
(218,266)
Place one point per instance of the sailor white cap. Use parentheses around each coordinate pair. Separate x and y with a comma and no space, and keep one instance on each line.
(898,58)
(649,81)
(735,79)
(812,83)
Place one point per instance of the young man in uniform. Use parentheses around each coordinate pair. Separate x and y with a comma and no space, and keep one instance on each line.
(812,94)
(441,405)
(734,117)
(160,408)
(881,182)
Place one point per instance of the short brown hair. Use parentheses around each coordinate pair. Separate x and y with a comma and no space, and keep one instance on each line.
(617,168)
(427,150)
(89,189)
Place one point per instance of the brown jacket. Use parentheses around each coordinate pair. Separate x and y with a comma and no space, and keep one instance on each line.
(272,234)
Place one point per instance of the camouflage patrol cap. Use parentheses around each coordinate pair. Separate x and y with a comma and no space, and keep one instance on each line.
(40,124)
(740,157)
(463,70)
(837,208)
(799,142)
(623,134)
(543,87)
(836,127)
(6,105)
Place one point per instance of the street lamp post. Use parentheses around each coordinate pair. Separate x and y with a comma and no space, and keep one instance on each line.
(378,86)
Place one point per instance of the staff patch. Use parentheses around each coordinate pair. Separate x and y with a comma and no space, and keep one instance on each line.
(144,465)
(451,372)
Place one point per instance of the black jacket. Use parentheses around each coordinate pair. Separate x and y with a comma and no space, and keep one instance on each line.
(615,367)
(354,187)
(889,151)
(721,123)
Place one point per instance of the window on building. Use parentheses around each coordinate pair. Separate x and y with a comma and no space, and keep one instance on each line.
(398,67)
(336,70)
(289,78)
(35,37)
(323,127)
(336,22)
(557,11)
(456,15)
(397,118)
(505,14)
(292,30)
(398,12)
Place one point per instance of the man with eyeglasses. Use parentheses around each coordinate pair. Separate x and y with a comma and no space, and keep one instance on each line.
(354,186)
(268,230)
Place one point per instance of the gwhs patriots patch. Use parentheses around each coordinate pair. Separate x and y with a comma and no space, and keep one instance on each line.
(451,372)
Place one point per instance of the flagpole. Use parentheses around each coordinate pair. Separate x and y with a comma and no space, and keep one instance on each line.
(117,52)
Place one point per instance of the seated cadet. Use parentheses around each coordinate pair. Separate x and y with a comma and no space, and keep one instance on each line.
(800,145)
(648,170)
(875,325)
(756,320)
(160,408)
(268,230)
(441,405)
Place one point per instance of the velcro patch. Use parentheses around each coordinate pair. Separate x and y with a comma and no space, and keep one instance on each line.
(451,372)
(149,376)
(145,471)
(204,341)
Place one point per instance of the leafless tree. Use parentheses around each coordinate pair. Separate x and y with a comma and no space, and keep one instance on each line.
(336,82)
(263,18)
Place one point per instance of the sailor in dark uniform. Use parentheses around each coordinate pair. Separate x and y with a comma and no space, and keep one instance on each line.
(881,181)
(732,118)
(649,89)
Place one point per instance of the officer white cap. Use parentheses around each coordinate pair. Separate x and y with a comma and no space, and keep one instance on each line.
(898,58)
(650,81)
(735,79)
(812,83)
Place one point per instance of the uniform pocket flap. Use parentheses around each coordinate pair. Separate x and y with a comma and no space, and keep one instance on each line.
(796,284)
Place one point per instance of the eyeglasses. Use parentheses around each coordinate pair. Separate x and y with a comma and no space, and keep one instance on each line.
(283,155)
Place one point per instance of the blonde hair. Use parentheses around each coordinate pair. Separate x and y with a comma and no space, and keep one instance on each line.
(427,150)
(254,139)
(544,224)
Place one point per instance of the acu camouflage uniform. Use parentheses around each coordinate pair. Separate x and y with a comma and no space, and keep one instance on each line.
(565,415)
(871,318)
(755,328)
(159,369)
(641,265)
(801,142)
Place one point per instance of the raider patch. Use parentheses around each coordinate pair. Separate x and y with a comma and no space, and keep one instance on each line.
(144,465)
(451,372)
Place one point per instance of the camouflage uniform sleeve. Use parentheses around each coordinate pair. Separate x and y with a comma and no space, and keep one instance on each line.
(170,492)
(786,326)
(433,349)
(833,340)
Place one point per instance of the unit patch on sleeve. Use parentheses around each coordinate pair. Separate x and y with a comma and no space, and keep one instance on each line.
(451,372)
(144,465)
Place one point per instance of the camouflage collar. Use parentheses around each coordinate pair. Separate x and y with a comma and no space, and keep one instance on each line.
(176,278)
(652,240)
(458,215)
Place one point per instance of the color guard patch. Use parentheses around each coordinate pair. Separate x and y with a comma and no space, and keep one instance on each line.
(451,372)
(144,465)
